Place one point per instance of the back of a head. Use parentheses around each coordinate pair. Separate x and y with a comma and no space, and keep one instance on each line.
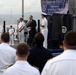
(39,39)
(5,37)
(22,50)
(11,26)
(70,39)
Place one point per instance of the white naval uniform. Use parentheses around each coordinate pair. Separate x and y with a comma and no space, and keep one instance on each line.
(44,31)
(7,56)
(21,68)
(11,31)
(64,64)
(21,34)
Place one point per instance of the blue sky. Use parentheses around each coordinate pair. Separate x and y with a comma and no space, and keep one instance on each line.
(14,6)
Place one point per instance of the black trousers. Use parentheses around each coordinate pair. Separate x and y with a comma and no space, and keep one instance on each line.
(30,41)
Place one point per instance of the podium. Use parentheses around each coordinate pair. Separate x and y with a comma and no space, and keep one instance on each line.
(58,26)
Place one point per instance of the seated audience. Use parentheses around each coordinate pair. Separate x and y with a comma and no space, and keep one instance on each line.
(22,67)
(64,64)
(7,53)
(39,55)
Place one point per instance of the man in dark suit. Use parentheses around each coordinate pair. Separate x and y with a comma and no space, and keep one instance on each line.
(39,55)
(32,29)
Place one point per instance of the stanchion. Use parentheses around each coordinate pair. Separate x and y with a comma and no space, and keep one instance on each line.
(4,27)
(38,25)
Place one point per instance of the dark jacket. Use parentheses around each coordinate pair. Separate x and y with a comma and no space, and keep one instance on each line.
(32,24)
(39,56)
(32,32)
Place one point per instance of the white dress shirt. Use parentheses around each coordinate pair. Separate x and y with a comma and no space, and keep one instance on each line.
(21,68)
(11,30)
(64,64)
(7,56)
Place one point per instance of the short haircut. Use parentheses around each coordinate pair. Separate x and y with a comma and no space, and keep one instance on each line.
(70,39)
(21,19)
(39,39)
(22,50)
(11,26)
(31,16)
(5,37)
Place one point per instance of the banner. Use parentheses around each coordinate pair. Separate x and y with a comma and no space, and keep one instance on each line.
(54,6)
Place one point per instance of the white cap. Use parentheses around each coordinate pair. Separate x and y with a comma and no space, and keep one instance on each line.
(43,13)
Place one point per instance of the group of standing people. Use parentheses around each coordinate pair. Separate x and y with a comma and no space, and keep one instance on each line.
(31,25)
(31,28)
(20,30)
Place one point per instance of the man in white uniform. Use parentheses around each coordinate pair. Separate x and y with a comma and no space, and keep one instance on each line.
(21,30)
(11,33)
(44,29)
(22,67)
(64,64)
(7,53)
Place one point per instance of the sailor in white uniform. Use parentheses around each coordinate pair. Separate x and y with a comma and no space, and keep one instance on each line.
(11,33)
(44,29)
(21,30)
(65,63)
(7,53)
(22,67)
